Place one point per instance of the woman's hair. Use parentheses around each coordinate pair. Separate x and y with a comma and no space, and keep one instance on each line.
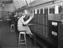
(27,12)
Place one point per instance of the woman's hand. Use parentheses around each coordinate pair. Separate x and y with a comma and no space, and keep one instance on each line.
(23,16)
(32,15)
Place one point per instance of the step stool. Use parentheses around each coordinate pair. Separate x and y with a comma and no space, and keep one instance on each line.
(22,37)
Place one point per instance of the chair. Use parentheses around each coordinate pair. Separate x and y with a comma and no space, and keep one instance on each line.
(12,28)
(22,37)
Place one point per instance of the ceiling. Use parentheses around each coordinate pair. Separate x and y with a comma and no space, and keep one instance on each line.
(36,2)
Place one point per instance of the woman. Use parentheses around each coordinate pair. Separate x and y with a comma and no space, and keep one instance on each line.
(22,22)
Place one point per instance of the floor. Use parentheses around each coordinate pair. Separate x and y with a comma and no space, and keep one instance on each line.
(9,40)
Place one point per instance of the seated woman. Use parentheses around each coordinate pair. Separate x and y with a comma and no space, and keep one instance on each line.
(22,22)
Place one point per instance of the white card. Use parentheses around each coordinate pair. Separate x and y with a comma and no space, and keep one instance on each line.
(54,23)
(35,11)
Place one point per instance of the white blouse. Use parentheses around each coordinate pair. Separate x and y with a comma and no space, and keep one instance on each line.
(21,27)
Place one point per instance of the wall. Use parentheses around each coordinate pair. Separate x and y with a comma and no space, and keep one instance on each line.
(19,3)
(1,9)
(9,7)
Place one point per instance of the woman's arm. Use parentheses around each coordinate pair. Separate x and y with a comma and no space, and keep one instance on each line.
(27,21)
